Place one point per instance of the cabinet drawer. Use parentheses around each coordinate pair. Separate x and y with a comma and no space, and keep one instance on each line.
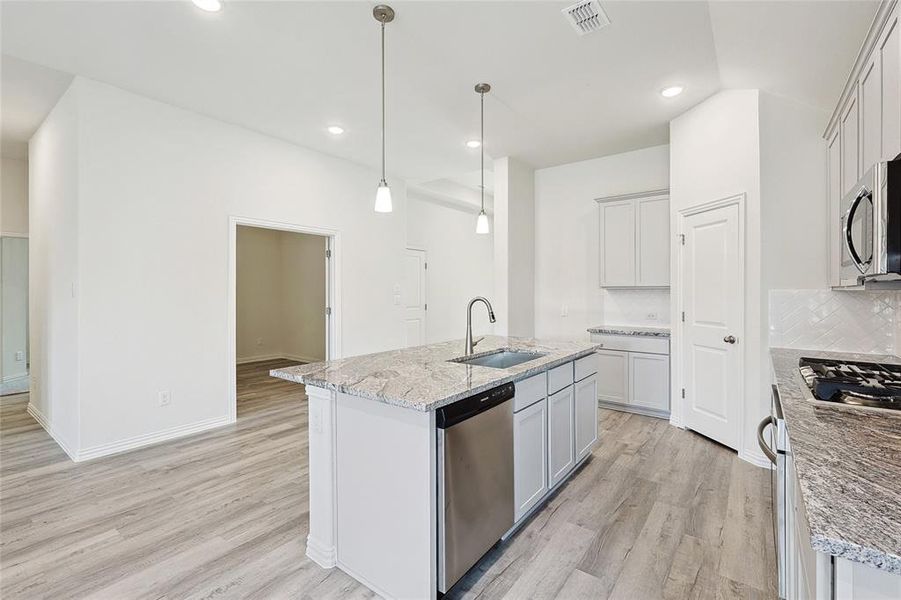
(632,343)
(559,377)
(585,366)
(529,391)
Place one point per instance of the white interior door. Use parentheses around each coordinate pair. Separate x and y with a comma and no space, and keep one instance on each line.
(414,298)
(712,298)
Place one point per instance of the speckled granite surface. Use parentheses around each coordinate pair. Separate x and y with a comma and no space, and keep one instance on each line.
(421,378)
(849,467)
(630,330)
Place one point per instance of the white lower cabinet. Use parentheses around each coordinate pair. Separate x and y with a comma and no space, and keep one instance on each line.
(586,425)
(633,373)
(561,446)
(530,471)
(649,381)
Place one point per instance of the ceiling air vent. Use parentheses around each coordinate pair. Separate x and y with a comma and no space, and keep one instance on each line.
(586,16)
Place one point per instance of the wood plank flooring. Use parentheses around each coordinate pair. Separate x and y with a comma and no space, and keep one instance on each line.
(656,513)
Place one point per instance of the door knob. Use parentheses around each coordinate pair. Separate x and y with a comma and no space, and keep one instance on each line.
(729,339)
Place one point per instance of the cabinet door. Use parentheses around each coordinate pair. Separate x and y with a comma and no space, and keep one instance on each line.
(613,376)
(649,381)
(561,446)
(850,144)
(871,113)
(617,243)
(834,194)
(586,401)
(889,47)
(653,241)
(530,472)
(857,581)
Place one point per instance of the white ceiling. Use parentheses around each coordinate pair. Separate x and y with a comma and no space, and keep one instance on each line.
(289,69)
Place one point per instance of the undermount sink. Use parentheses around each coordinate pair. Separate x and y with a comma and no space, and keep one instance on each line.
(499,359)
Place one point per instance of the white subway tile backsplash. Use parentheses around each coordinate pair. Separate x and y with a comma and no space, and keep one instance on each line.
(632,307)
(849,321)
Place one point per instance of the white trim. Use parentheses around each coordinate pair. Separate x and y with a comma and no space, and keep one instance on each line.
(634,195)
(42,420)
(333,295)
(755,458)
(149,439)
(637,410)
(324,556)
(866,49)
(278,355)
(677,413)
(13,234)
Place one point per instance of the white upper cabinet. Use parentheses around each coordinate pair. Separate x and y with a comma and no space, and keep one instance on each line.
(634,242)
(865,127)
(617,260)
(889,48)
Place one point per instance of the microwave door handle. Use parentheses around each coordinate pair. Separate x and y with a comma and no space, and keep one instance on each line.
(849,240)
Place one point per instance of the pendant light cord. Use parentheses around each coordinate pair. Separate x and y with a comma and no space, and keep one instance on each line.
(482,145)
(383,100)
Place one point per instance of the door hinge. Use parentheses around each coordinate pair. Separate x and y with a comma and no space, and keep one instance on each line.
(682,235)
(683,316)
(328,311)
(425,266)
(426,307)
(328,253)
(683,392)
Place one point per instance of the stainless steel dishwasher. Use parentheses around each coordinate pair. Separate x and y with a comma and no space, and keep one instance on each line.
(475,479)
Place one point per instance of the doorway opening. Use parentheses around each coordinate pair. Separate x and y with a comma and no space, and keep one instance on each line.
(281,306)
(14,365)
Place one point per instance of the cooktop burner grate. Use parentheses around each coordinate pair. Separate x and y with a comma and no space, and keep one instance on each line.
(855,383)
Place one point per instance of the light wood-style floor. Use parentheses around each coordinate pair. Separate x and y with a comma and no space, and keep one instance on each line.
(656,513)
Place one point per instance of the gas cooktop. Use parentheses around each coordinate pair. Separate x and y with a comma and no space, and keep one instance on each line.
(855,383)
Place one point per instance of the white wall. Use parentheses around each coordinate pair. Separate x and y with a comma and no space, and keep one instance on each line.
(13,307)
(13,196)
(770,149)
(566,244)
(715,154)
(514,247)
(153,196)
(54,315)
(280,295)
(460,266)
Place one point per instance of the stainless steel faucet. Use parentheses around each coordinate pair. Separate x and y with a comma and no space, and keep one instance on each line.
(470,344)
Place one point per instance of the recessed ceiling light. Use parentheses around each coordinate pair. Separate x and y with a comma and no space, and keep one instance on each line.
(208,5)
(672,91)
(473,144)
(335,130)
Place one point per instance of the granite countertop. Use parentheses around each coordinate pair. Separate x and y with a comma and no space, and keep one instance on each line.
(630,330)
(421,378)
(848,463)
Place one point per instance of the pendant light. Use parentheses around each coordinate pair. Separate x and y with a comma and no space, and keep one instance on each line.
(482,221)
(383,14)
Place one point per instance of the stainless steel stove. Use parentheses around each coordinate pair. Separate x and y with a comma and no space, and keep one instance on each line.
(855,383)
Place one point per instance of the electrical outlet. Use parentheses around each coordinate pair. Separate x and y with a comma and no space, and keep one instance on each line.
(564,310)
(20,356)
(652,316)
(165,398)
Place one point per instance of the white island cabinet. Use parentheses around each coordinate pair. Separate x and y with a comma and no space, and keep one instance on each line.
(379,457)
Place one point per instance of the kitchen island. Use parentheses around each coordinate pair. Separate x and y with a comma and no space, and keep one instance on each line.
(374,447)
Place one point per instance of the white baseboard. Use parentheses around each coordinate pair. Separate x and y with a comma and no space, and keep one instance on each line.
(149,439)
(14,376)
(638,410)
(296,357)
(324,556)
(755,458)
(42,420)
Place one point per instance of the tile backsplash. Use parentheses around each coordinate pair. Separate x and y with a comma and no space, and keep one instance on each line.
(634,307)
(849,321)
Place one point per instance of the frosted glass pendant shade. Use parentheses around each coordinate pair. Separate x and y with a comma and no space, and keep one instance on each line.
(482,223)
(383,198)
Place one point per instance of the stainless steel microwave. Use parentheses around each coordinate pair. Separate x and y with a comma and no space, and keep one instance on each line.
(870,227)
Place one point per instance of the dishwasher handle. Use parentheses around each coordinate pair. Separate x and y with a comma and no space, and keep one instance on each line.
(764,447)
(450,415)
